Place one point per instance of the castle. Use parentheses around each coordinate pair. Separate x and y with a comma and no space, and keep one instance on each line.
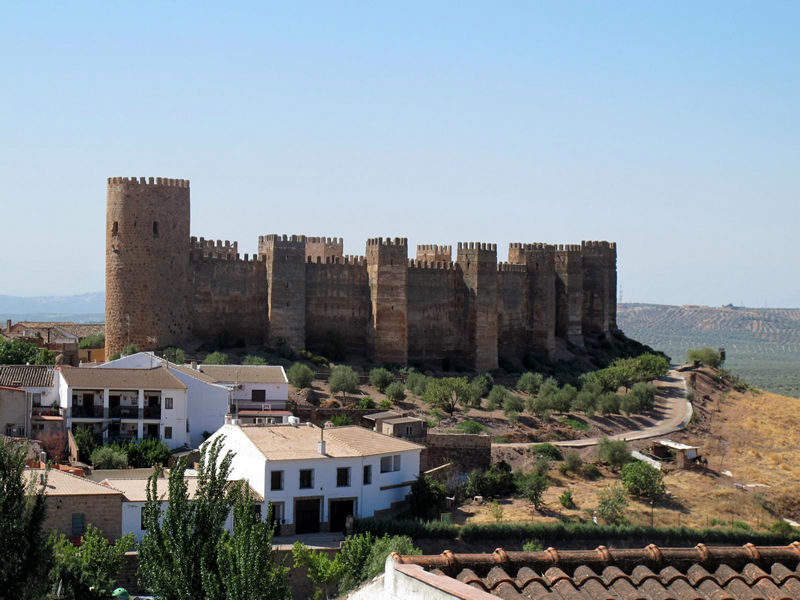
(164,288)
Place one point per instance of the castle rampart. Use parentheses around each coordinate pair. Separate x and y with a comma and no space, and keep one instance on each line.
(165,288)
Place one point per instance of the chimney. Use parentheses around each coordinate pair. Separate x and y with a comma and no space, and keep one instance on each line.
(321,443)
(43,457)
(8,324)
(194,365)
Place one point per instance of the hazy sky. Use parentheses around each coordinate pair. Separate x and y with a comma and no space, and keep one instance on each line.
(671,128)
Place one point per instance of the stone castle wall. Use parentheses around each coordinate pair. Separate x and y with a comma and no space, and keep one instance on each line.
(164,288)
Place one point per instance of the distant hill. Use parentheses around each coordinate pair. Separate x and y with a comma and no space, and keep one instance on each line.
(762,344)
(82,308)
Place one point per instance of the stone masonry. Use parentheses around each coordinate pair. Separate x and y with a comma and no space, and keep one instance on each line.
(164,288)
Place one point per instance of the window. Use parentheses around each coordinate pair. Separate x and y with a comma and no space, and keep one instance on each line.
(367,474)
(276,480)
(168,403)
(390,463)
(343,477)
(115,229)
(167,433)
(409,430)
(78,524)
(142,523)
(37,399)
(155,229)
(258,395)
(306,478)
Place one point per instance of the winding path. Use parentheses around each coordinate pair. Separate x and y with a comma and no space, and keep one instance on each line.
(678,414)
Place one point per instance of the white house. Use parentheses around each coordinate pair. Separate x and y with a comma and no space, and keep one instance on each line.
(207,401)
(316,477)
(134,498)
(125,403)
(253,387)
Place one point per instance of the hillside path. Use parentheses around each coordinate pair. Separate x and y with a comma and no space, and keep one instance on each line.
(678,414)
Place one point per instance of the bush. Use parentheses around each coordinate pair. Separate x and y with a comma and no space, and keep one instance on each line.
(343,380)
(497,481)
(366,403)
(300,375)
(145,453)
(612,505)
(572,462)
(641,479)
(93,340)
(532,546)
(482,384)
(341,420)
(471,426)
(705,356)
(382,548)
(641,397)
(320,361)
(175,355)
(109,458)
(84,438)
(529,382)
(427,498)
(566,499)
(613,452)
(396,392)
(497,397)
(380,378)
(416,383)
(590,471)
(782,528)
(532,488)
(252,359)
(608,403)
(512,404)
(541,466)
(215,358)
(547,450)
(385,404)
(414,528)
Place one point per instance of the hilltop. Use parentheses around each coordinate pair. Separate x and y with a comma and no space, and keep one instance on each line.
(762,344)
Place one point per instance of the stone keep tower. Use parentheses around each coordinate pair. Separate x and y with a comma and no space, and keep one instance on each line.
(478,262)
(147,262)
(387,271)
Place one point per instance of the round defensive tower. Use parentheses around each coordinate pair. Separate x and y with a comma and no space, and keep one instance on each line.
(147,262)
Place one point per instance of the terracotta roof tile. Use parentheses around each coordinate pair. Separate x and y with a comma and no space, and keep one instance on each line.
(131,379)
(26,375)
(652,573)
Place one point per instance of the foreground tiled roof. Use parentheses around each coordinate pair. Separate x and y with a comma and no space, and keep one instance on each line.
(702,572)
(60,483)
(135,490)
(26,375)
(244,373)
(156,378)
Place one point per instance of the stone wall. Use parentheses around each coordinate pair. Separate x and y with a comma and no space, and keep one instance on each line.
(465,451)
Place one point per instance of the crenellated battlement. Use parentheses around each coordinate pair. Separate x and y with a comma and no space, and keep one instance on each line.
(214,246)
(348,259)
(276,240)
(387,241)
(568,248)
(324,240)
(477,246)
(163,181)
(437,265)
(504,267)
(201,254)
(597,248)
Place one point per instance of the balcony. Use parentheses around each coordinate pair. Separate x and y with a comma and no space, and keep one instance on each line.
(46,411)
(87,412)
(123,412)
(151,412)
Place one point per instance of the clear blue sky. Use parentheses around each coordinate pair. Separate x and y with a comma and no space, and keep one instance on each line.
(671,128)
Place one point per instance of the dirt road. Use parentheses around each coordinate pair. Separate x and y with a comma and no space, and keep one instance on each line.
(678,411)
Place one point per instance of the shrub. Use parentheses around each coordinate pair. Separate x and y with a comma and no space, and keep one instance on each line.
(383,547)
(414,528)
(385,404)
(782,528)
(613,452)
(175,355)
(343,380)
(416,383)
(562,400)
(341,420)
(532,488)
(130,349)
(84,438)
(529,382)
(380,378)
(512,417)
(566,499)
(612,505)
(497,397)
(547,450)
(447,392)
(366,403)
(590,471)
(109,458)
(396,392)
(427,497)
(512,404)
(532,546)
(145,453)
(471,426)
(215,358)
(320,361)
(300,375)
(496,510)
(541,466)
(641,397)
(482,384)
(641,479)
(608,403)
(252,359)
(93,340)
(497,481)
(572,462)
(705,356)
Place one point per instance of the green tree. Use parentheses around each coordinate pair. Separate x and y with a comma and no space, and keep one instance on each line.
(175,355)
(482,384)
(497,397)
(252,359)
(613,452)
(532,487)
(247,566)
(512,404)
(178,553)
(641,479)
(93,340)
(608,403)
(145,453)
(108,457)
(495,482)
(380,378)
(427,497)
(471,426)
(300,375)
(529,382)
(705,356)
(612,505)
(91,569)
(25,554)
(343,380)
(84,438)
(324,571)
(396,392)
(651,366)
(416,383)
(640,398)
(216,358)
(341,420)
(446,393)
(366,403)
(17,352)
